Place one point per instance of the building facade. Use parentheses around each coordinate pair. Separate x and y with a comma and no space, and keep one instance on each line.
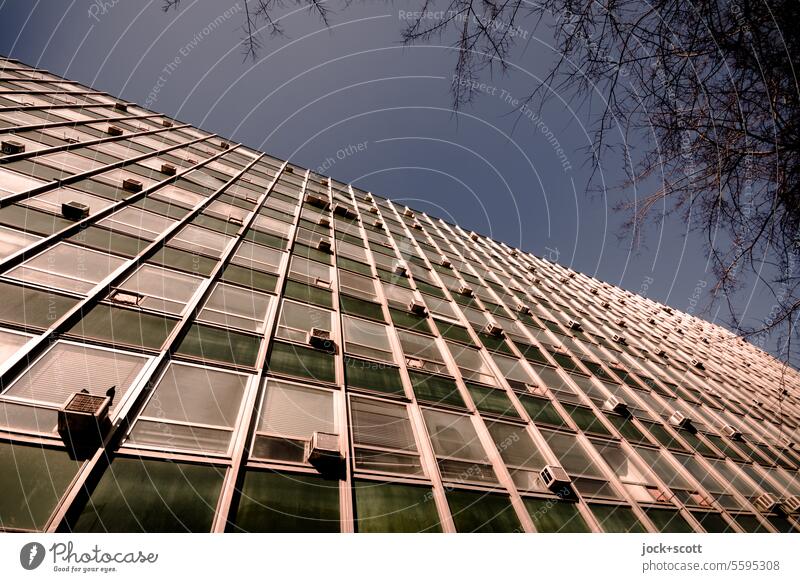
(196,336)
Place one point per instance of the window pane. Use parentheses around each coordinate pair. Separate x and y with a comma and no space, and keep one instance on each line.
(296,320)
(295,411)
(258,257)
(286,503)
(554,516)
(385,507)
(137,222)
(32,479)
(381,424)
(368,339)
(571,454)
(69,368)
(195,239)
(210,343)
(162,289)
(482,512)
(138,495)
(236,307)
(516,446)
(13,240)
(453,435)
(617,518)
(194,395)
(67,267)
(10,343)
(304,362)
(668,521)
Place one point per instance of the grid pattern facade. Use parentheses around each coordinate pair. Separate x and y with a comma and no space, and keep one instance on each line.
(239,304)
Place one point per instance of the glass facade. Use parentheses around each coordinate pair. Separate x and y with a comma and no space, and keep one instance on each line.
(261,348)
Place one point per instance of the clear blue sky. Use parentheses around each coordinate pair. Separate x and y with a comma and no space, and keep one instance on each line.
(354,102)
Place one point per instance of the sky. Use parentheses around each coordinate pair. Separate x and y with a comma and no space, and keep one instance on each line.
(351,101)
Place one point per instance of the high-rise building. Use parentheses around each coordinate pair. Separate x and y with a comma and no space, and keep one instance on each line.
(196,336)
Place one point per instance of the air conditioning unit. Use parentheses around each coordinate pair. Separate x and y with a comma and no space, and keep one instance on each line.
(572,324)
(594,291)
(114,130)
(563,280)
(416,226)
(126,298)
(732,432)
(74,210)
(344,211)
(661,352)
(225,145)
(235,220)
(445,262)
(652,321)
(131,185)
(466,290)
(324,221)
(621,322)
(493,329)
(400,267)
(317,201)
(120,106)
(766,502)
(619,339)
(680,420)
(474,236)
(408,213)
(289,170)
(168,169)
(323,452)
(166,123)
(373,209)
(417,307)
(522,308)
(415,363)
(378,224)
(787,442)
(791,504)
(324,245)
(83,419)
(554,478)
(617,405)
(697,364)
(605,305)
(12,147)
(321,339)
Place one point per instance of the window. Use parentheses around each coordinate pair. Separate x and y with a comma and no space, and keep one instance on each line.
(482,512)
(290,414)
(33,479)
(124,327)
(374,376)
(10,342)
(236,307)
(382,437)
(176,195)
(138,222)
(471,364)
(512,369)
(191,408)
(295,360)
(13,240)
(13,183)
(68,267)
(67,368)
(221,345)
(200,240)
(572,455)
(710,483)
(636,479)
(52,200)
(555,516)
(394,508)
(258,257)
(520,454)
(672,477)
(296,320)
(311,272)
(160,289)
(421,352)
(286,503)
(143,495)
(459,452)
(617,518)
(491,400)
(367,339)
(436,389)
(357,286)
(668,520)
